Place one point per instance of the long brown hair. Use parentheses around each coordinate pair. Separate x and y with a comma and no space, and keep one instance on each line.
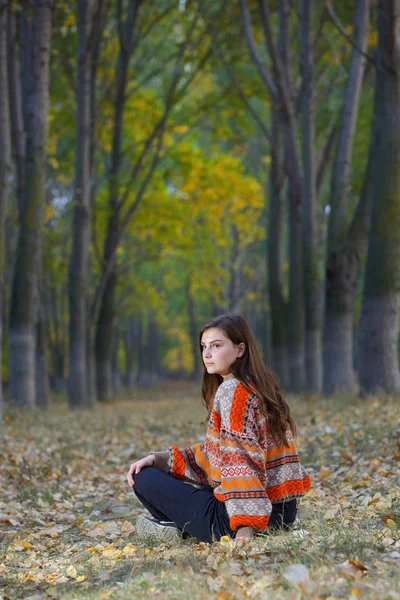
(250,370)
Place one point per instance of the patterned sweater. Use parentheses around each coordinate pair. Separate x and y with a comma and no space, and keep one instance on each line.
(240,460)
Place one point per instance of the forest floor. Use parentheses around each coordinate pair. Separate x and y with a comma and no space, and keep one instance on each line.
(67,515)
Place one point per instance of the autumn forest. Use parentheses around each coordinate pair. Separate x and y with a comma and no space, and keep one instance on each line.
(165,162)
(162,163)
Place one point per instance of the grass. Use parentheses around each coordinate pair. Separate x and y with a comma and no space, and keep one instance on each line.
(67,515)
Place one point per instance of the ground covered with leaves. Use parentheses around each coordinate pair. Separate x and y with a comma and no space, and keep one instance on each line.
(67,515)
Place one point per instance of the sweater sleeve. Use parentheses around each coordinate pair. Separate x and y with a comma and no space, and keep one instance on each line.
(243,472)
(185,464)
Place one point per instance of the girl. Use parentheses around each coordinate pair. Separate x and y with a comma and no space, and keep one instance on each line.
(247,473)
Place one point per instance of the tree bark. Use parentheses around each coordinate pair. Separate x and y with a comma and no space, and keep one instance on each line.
(339,297)
(116,376)
(106,313)
(103,345)
(295,314)
(275,258)
(131,342)
(22,319)
(78,388)
(56,348)
(296,295)
(379,325)
(97,36)
(42,374)
(16,110)
(5,166)
(312,280)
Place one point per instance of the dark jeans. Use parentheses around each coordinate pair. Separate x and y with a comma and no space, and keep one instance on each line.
(196,510)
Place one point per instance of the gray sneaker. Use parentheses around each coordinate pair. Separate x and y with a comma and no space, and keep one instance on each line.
(166,531)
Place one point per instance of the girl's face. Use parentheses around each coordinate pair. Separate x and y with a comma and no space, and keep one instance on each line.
(219,352)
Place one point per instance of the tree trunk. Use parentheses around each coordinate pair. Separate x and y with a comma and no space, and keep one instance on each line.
(91,362)
(131,342)
(312,280)
(5,167)
(97,34)
(103,347)
(153,351)
(16,110)
(275,259)
(142,376)
(115,372)
(42,375)
(338,329)
(106,313)
(234,290)
(78,389)
(193,332)
(22,319)
(379,325)
(295,314)
(281,92)
(296,295)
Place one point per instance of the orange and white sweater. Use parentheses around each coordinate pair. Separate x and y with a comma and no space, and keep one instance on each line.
(240,459)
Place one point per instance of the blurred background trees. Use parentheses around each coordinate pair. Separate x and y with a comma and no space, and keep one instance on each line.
(173,160)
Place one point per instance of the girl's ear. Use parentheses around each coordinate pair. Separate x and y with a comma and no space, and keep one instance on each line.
(241,348)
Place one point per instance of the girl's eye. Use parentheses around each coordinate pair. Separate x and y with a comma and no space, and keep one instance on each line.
(217,345)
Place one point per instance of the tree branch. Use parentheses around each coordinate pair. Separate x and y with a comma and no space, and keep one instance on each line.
(248,32)
(344,33)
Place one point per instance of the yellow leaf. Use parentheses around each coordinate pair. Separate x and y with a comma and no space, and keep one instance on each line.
(112,552)
(181,129)
(80,578)
(27,545)
(129,549)
(373,39)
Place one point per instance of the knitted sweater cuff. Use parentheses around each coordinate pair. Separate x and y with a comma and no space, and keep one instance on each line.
(162,460)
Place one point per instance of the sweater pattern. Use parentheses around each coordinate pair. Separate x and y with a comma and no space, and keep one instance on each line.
(241,461)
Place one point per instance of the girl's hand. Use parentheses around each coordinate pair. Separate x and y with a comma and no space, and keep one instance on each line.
(136,467)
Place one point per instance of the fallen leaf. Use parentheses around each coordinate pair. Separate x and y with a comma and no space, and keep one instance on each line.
(358,564)
(129,549)
(112,552)
(71,572)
